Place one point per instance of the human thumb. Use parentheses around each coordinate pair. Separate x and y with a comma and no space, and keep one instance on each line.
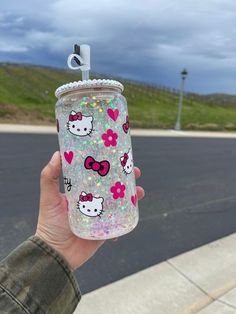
(49,182)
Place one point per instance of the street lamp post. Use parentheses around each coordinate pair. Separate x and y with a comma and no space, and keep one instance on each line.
(184,74)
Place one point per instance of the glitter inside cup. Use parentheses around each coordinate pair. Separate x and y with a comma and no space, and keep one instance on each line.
(97,160)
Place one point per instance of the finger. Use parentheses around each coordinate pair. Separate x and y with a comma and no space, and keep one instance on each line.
(140,192)
(49,181)
(137,172)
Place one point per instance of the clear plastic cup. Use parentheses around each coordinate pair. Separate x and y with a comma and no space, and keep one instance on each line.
(97,159)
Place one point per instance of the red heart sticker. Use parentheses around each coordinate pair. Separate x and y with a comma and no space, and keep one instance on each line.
(134,199)
(113,114)
(69,156)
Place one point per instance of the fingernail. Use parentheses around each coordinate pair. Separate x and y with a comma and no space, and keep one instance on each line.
(53,160)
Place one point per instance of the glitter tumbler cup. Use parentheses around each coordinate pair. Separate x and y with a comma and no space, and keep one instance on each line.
(97,160)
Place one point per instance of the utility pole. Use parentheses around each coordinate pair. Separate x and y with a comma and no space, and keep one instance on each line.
(184,74)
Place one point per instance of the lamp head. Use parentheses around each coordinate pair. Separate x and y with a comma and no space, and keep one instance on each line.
(184,74)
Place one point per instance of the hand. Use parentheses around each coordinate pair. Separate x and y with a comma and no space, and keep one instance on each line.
(53,226)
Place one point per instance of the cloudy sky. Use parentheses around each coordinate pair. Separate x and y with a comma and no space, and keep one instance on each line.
(149,40)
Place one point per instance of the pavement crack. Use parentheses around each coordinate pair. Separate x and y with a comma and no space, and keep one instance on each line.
(190,280)
(212,299)
(226,303)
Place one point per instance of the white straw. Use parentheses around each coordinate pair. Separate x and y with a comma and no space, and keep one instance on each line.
(84,59)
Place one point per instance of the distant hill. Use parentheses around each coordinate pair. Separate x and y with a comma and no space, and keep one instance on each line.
(27,96)
(215,99)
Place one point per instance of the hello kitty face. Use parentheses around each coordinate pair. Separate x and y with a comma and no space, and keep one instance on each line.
(127,162)
(89,205)
(79,124)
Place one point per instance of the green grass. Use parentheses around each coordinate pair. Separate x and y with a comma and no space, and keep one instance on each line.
(32,88)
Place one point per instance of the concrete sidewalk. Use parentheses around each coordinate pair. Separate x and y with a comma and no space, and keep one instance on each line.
(200,281)
(40,129)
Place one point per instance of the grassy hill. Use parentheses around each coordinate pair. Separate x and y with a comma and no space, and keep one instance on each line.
(27,96)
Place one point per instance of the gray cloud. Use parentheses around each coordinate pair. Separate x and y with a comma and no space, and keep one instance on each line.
(148,41)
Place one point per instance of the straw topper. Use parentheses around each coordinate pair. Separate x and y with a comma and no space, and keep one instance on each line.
(79,124)
(127,162)
(90,205)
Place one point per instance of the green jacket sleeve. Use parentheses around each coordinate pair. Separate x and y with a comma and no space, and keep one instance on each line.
(34,278)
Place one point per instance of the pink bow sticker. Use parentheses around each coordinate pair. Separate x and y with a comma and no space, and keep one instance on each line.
(76,116)
(86,198)
(102,167)
(124,161)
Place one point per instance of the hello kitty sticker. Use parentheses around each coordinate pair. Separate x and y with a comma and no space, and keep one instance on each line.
(79,124)
(90,205)
(127,162)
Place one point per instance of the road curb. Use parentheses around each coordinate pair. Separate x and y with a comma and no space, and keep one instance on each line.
(40,129)
(27,129)
(188,283)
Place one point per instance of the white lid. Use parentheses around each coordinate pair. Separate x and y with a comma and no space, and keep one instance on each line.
(87,84)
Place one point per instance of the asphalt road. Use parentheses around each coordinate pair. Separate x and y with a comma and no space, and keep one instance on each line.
(190,200)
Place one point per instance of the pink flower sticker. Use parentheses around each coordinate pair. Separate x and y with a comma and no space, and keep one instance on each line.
(118,190)
(110,138)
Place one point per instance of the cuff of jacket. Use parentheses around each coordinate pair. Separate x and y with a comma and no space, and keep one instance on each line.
(39,279)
